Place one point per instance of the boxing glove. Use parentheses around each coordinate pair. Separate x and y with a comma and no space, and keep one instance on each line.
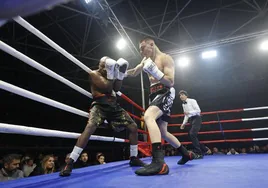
(110,68)
(121,68)
(151,68)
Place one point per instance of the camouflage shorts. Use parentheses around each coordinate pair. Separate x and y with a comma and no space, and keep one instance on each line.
(116,116)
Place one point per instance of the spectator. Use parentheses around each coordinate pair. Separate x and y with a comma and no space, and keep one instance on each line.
(56,163)
(173,152)
(243,151)
(257,149)
(264,149)
(83,160)
(67,157)
(100,159)
(28,167)
(232,152)
(209,152)
(217,152)
(46,167)
(1,163)
(251,150)
(10,169)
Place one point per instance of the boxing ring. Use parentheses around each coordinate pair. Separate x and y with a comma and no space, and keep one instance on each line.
(243,171)
(221,171)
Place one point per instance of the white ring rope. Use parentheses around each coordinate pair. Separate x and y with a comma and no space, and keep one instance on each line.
(47,40)
(22,92)
(8,49)
(256,108)
(25,130)
(6,128)
(259,139)
(254,119)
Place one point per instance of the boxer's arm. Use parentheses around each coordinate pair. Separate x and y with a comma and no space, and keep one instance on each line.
(117,85)
(137,70)
(90,75)
(169,73)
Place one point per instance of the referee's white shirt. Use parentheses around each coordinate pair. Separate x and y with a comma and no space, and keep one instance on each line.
(190,106)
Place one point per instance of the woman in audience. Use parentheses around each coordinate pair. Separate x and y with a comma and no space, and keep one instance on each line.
(46,167)
(100,159)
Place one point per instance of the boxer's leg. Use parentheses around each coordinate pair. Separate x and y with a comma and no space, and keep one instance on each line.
(122,120)
(96,118)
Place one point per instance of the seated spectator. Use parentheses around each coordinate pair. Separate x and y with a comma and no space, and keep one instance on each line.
(100,159)
(232,152)
(28,167)
(224,151)
(257,149)
(216,151)
(38,159)
(264,149)
(251,150)
(46,166)
(173,152)
(1,163)
(167,153)
(83,160)
(10,169)
(23,159)
(65,161)
(56,163)
(243,151)
(208,152)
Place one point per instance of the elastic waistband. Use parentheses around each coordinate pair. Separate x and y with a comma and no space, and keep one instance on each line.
(103,95)
(158,87)
(192,117)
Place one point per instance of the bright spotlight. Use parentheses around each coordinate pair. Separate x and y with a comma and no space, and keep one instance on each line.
(264,45)
(183,61)
(87,1)
(121,44)
(209,54)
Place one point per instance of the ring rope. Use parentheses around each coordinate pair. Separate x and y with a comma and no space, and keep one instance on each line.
(225,131)
(38,66)
(47,40)
(25,130)
(30,95)
(225,121)
(8,49)
(226,111)
(36,97)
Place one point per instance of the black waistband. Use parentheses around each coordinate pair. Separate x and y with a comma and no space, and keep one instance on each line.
(105,99)
(158,88)
(192,117)
(99,96)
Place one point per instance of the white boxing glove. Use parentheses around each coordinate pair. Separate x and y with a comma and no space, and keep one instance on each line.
(121,66)
(151,68)
(110,68)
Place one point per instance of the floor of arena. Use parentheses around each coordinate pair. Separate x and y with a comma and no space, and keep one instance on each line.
(220,171)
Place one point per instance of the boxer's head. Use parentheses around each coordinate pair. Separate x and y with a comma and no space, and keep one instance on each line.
(147,47)
(102,69)
(102,63)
